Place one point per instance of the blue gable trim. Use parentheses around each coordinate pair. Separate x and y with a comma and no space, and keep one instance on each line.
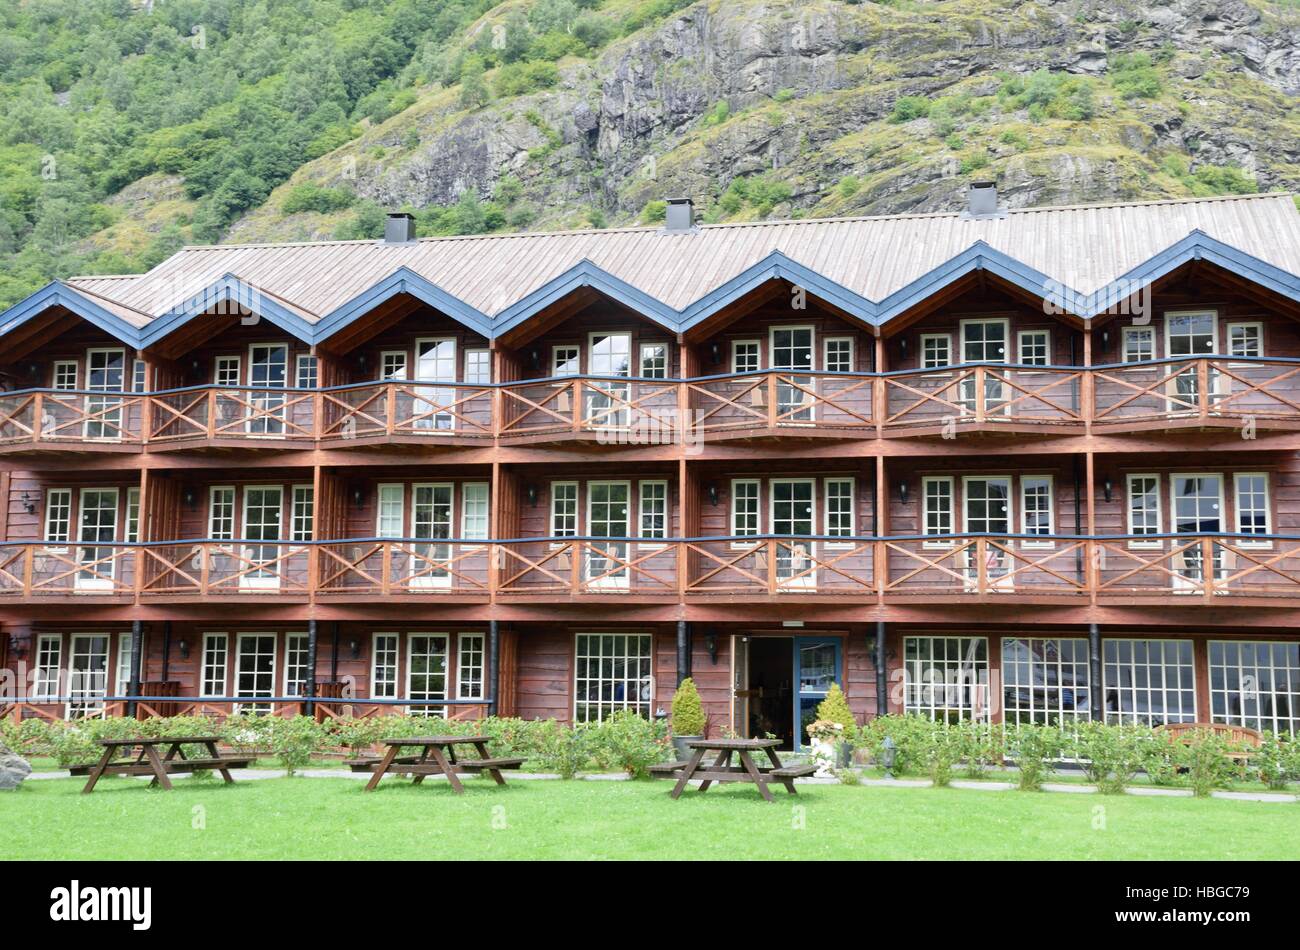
(229,288)
(402,281)
(58,294)
(586,274)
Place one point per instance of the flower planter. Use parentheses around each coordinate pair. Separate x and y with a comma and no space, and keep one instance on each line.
(681,748)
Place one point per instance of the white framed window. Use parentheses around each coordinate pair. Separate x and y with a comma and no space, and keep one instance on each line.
(304,513)
(255,655)
(564,509)
(469,666)
(985,339)
(1246,339)
(1144,508)
(225,371)
(215,660)
(383,666)
(653,514)
(49,662)
(132,515)
(478,367)
(1254,513)
(840,510)
(474,503)
(390,514)
(654,360)
(1191,333)
(221,512)
(1037,516)
(938,502)
(1148,682)
(1255,683)
(946,678)
(612,671)
(122,673)
(745,356)
(139,376)
(87,674)
(296,667)
(426,671)
(1139,344)
(566,360)
(58,516)
(745,509)
(305,371)
(1034,347)
(63,374)
(392,365)
(837,354)
(1044,681)
(936,350)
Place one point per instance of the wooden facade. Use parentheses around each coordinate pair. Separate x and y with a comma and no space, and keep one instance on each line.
(781,518)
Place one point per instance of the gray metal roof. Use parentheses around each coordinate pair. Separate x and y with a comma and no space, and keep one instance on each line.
(1082,247)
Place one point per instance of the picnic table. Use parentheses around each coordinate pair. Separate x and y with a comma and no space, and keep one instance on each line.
(442,751)
(694,769)
(147,761)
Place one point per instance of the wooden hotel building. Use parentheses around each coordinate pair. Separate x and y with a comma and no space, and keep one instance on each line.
(1023,464)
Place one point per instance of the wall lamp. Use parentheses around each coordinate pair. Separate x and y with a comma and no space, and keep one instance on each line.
(1105,340)
(354,646)
(712,489)
(711,644)
(531,492)
(184,648)
(902,348)
(1106,488)
(190,497)
(535,359)
(902,492)
(715,352)
(358,496)
(28,504)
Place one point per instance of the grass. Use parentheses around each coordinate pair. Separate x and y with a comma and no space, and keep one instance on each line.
(336,819)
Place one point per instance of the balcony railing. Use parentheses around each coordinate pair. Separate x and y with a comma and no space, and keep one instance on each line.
(1173,568)
(1202,391)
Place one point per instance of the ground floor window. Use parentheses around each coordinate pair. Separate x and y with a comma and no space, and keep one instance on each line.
(213,678)
(1149,682)
(426,672)
(49,660)
(296,670)
(255,671)
(1044,680)
(469,666)
(87,674)
(1255,684)
(383,671)
(946,677)
(612,671)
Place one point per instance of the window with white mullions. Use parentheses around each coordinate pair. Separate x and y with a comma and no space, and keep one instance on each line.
(936,350)
(58,516)
(837,354)
(654,509)
(469,666)
(946,678)
(122,677)
(304,512)
(383,666)
(1044,681)
(1144,508)
(984,341)
(105,373)
(608,513)
(612,671)
(435,361)
(745,356)
(1252,504)
(132,515)
(225,371)
(1139,344)
(1036,513)
(839,509)
(564,509)
(212,678)
(654,360)
(1197,509)
(431,519)
(426,672)
(306,375)
(1246,339)
(478,367)
(392,365)
(744,507)
(296,668)
(987,511)
(793,516)
(474,511)
(221,512)
(1255,684)
(262,522)
(1148,682)
(566,361)
(87,675)
(791,350)
(98,530)
(255,671)
(268,368)
(1035,347)
(1190,335)
(390,520)
(609,355)
(63,374)
(49,663)
(938,504)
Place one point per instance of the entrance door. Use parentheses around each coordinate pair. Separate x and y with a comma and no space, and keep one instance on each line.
(262,520)
(98,529)
(988,511)
(792,349)
(1190,335)
(1197,503)
(610,355)
(435,361)
(87,675)
(255,671)
(608,510)
(268,368)
(105,371)
(426,672)
(793,517)
(431,518)
(984,341)
(740,692)
(816,667)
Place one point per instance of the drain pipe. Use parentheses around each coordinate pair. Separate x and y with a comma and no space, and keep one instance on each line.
(683,651)
(882,679)
(1094,670)
(494,651)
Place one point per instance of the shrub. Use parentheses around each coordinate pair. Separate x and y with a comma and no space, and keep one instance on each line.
(941,751)
(310,196)
(294,741)
(907,108)
(1134,77)
(1274,760)
(910,735)
(1159,758)
(982,746)
(687,710)
(1034,748)
(629,742)
(1112,755)
(563,751)
(1204,756)
(849,186)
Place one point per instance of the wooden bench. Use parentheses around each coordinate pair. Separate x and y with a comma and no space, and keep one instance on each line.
(147,761)
(1237,735)
(722,769)
(437,756)
(173,766)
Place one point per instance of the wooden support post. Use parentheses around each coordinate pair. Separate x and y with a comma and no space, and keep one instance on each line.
(309,688)
(880,396)
(1089,406)
(882,674)
(133,683)
(494,667)
(1094,672)
(683,651)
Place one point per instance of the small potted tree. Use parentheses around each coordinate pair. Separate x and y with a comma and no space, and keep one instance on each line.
(836,743)
(688,720)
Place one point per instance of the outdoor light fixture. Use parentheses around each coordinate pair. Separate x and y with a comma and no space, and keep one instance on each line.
(711,644)
(28,503)
(712,489)
(535,358)
(888,755)
(361,360)
(1106,487)
(33,369)
(184,648)
(715,352)
(902,492)
(358,496)
(1105,340)
(902,347)
(20,648)
(355,647)
(190,497)
(531,492)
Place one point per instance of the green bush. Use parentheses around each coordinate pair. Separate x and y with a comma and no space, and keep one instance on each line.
(629,742)
(562,750)
(1112,755)
(983,746)
(294,741)
(1276,760)
(1134,76)
(1034,748)
(687,710)
(835,708)
(1204,756)
(942,750)
(907,108)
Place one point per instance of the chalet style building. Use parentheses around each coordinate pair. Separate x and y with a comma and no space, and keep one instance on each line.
(1019,465)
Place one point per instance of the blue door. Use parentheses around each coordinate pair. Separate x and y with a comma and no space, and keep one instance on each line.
(816,666)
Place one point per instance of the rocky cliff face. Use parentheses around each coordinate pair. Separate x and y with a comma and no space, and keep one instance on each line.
(778,108)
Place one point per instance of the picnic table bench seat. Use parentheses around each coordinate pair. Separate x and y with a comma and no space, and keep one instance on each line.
(793,771)
(172,765)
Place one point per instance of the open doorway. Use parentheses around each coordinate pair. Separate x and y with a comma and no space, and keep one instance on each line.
(778,682)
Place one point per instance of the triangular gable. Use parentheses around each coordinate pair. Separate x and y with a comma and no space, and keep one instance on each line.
(229,289)
(586,274)
(58,294)
(403,281)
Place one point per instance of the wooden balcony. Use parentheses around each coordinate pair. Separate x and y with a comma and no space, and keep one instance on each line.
(989,398)
(1174,569)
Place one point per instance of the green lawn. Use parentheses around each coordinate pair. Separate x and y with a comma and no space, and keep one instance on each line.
(334,818)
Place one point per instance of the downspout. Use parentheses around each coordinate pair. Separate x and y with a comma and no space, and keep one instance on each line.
(494,652)
(882,679)
(133,685)
(309,688)
(683,651)
(1094,670)
(167,651)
